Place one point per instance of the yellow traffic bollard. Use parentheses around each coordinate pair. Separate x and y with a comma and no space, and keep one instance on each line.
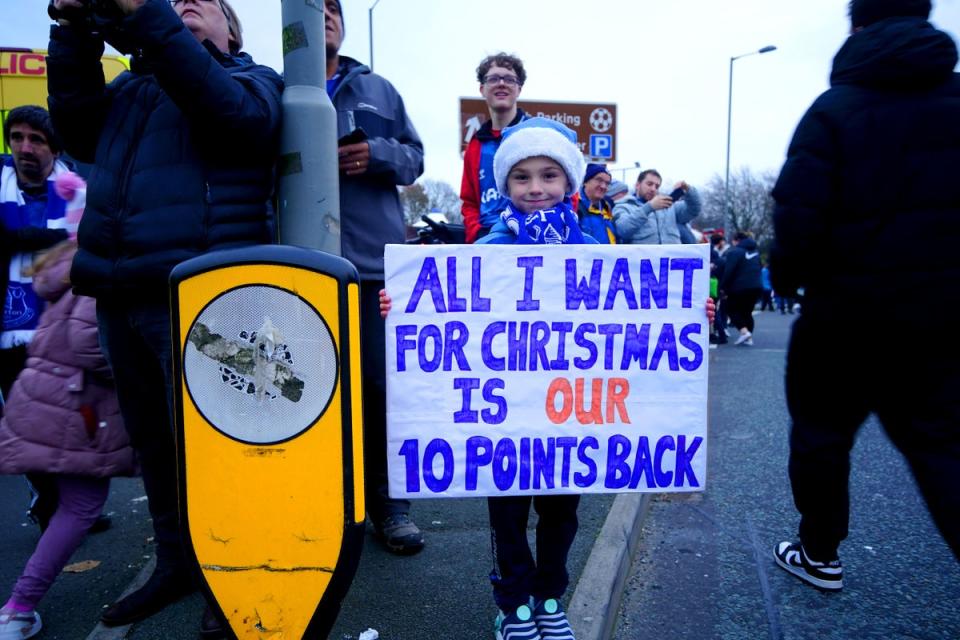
(269,434)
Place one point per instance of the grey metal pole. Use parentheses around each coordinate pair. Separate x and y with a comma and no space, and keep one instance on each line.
(309,212)
(726,182)
(727,209)
(623,170)
(370,23)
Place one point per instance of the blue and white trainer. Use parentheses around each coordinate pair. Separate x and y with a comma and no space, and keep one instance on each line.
(552,621)
(18,625)
(518,625)
(792,557)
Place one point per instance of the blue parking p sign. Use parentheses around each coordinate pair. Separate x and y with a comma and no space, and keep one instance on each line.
(601,146)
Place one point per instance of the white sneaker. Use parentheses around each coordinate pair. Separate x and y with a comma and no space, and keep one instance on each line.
(744,337)
(19,625)
(748,342)
(792,557)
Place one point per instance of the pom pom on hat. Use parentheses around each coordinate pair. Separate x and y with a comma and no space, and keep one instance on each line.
(73,189)
(539,137)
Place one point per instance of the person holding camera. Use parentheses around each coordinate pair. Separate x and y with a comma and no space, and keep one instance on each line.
(649,217)
(183,148)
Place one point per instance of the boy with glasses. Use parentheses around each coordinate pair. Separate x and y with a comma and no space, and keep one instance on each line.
(501,78)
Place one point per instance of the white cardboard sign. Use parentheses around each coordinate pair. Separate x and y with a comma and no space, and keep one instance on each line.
(532,369)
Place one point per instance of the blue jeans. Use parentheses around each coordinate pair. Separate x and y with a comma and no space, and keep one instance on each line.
(135,338)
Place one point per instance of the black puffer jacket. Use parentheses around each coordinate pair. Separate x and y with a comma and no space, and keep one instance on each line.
(182,147)
(741,268)
(867,202)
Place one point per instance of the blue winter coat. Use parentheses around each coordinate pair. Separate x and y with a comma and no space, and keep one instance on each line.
(183,149)
(596,225)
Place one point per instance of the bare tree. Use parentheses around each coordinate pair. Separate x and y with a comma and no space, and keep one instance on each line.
(415,202)
(428,196)
(751,205)
(444,199)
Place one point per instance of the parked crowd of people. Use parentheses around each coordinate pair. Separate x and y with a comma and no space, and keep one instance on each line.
(183,149)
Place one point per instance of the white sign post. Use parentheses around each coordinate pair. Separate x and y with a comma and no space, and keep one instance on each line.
(531,369)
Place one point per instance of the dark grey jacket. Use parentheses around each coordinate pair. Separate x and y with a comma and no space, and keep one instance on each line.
(370,211)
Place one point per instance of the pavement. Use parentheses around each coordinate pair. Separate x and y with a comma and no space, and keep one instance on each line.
(678,566)
(704,567)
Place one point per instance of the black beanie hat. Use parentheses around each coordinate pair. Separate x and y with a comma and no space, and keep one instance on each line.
(864,13)
(593,169)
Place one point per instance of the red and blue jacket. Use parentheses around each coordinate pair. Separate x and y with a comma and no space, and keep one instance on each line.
(482,202)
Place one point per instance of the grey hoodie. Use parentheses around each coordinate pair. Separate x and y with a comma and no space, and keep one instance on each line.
(370,211)
(638,223)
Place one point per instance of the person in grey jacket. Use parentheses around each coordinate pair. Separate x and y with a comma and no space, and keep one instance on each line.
(384,151)
(649,217)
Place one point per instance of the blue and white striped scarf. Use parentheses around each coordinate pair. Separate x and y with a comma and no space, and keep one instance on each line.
(556,225)
(22,306)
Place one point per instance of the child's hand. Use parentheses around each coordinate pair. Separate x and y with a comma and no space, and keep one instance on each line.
(711,310)
(386,303)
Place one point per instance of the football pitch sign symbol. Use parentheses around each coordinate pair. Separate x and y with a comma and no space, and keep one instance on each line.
(269,434)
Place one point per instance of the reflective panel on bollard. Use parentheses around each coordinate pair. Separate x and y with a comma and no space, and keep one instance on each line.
(269,434)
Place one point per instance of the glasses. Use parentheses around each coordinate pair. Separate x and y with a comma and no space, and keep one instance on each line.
(510,81)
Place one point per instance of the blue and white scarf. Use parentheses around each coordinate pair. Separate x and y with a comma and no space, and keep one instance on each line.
(556,225)
(22,306)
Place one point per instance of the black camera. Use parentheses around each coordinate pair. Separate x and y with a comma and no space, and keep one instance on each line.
(99,17)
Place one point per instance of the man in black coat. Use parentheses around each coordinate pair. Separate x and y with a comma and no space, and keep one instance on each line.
(741,284)
(863,205)
(183,147)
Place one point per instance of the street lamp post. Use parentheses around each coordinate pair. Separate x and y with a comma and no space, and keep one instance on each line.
(726,182)
(370,22)
(623,171)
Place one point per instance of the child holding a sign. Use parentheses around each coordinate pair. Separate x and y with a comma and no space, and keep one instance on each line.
(538,166)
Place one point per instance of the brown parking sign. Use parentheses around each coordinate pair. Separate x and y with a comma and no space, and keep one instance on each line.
(595,123)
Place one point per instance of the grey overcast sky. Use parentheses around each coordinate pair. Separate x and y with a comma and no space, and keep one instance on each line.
(665,64)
